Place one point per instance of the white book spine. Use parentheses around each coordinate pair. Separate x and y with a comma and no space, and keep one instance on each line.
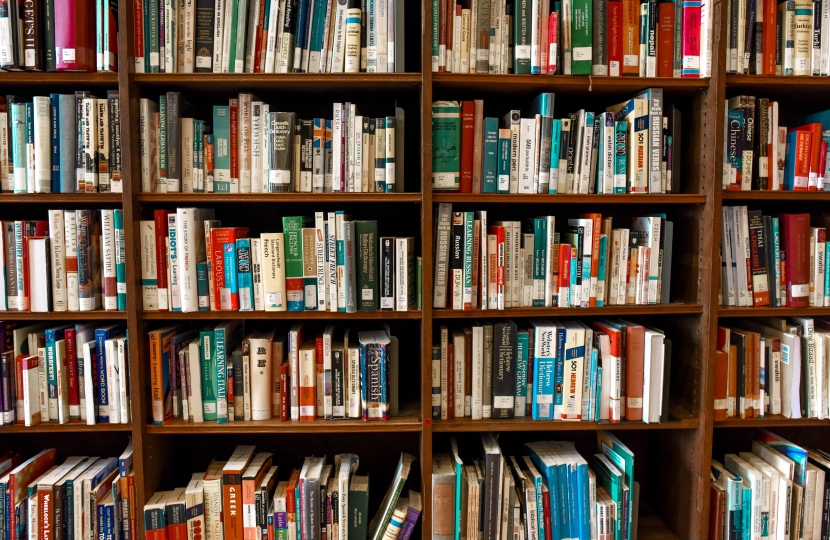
(226,36)
(174,22)
(187,238)
(71,255)
(339,45)
(57,247)
(381,25)
(173,265)
(256,147)
(321,252)
(113,383)
(336,145)
(187,135)
(43,144)
(273,272)
(5,145)
(149,279)
(483,259)
(108,261)
(245,143)
(478,372)
(42,381)
(195,397)
(403,259)
(123,370)
(331,261)
(218,33)
(256,272)
(246,390)
(527,154)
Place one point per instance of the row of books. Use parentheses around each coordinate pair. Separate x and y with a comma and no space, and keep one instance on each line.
(329,262)
(544,37)
(224,374)
(552,370)
(67,373)
(633,147)
(269,36)
(74,261)
(514,264)
(551,492)
(774,366)
(773,261)
(323,499)
(250,149)
(761,154)
(777,490)
(59,36)
(61,143)
(777,38)
(83,497)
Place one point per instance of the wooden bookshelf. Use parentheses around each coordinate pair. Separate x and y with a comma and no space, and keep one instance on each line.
(514,198)
(97,315)
(805,196)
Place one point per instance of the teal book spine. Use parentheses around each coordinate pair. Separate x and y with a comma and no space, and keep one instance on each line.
(120,259)
(18,153)
(240,22)
(221,357)
(490,162)
(221,149)
(245,282)
(602,271)
(620,157)
(503,185)
(581,37)
(540,236)
(152,32)
(598,392)
(520,403)
(593,408)
(292,227)
(446,145)
(555,150)
(746,521)
(317,24)
(209,375)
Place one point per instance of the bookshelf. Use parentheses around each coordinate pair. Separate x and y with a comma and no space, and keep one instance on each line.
(672,458)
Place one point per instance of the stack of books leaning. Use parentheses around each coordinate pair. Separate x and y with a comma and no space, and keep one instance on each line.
(59,36)
(222,373)
(61,143)
(773,366)
(190,262)
(516,264)
(84,497)
(74,261)
(250,149)
(552,492)
(244,498)
(777,490)
(768,37)
(268,36)
(776,261)
(760,154)
(62,374)
(552,370)
(547,37)
(633,147)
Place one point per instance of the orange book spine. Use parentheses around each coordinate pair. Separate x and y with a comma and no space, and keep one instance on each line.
(631,37)
(156,377)
(232,505)
(284,392)
(769,32)
(250,529)
(597,231)
(721,369)
(319,371)
(634,377)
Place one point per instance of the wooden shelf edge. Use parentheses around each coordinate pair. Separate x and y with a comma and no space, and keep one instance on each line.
(62,77)
(51,198)
(407,424)
(775,312)
(48,427)
(757,195)
(659,309)
(566,82)
(300,80)
(289,315)
(743,81)
(526,424)
(215,198)
(439,197)
(774,420)
(63,315)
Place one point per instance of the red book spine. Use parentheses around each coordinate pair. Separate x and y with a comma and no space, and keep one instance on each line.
(138,32)
(218,238)
(442,39)
(467,135)
(564,274)
(72,374)
(803,143)
(822,164)
(319,369)
(553,41)
(18,384)
(177,531)
(665,39)
(546,517)
(815,156)
(769,32)
(234,140)
(782,284)
(450,380)
(75,35)
(690,65)
(721,371)
(285,392)
(160,217)
(615,38)
(795,236)
(258,38)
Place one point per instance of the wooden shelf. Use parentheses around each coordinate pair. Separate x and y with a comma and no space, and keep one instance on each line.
(39,78)
(528,424)
(771,420)
(395,424)
(300,82)
(773,312)
(658,309)
(97,315)
(72,427)
(222,198)
(278,315)
(772,82)
(513,198)
(509,84)
(57,198)
(756,195)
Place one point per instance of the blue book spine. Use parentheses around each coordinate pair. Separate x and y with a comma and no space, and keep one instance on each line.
(56,142)
(490,161)
(789,161)
(555,150)
(300,33)
(746,515)
(244,275)
(559,373)
(549,474)
(231,278)
(202,286)
(543,375)
(520,401)
(51,336)
(583,497)
(563,477)
(602,270)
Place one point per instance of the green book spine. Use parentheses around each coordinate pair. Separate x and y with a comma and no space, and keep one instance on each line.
(209,382)
(522,348)
(292,227)
(221,149)
(419,284)
(555,149)
(522,37)
(490,163)
(152,31)
(120,259)
(435,38)
(234,16)
(446,145)
(540,236)
(581,37)
(221,358)
(503,184)
(240,13)
(359,512)
(367,263)
(49,35)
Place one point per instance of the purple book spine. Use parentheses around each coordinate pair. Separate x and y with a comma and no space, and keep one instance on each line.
(412,515)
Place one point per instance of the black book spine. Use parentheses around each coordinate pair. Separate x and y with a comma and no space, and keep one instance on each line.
(115,137)
(749,135)
(79,145)
(337,384)
(282,151)
(205,15)
(457,259)
(307,152)
(504,369)
(49,35)
(367,262)
(387,273)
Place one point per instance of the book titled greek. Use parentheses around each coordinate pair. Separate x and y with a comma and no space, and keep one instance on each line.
(446,145)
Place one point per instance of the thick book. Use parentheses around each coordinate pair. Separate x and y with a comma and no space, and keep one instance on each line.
(367,265)
(795,239)
(504,369)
